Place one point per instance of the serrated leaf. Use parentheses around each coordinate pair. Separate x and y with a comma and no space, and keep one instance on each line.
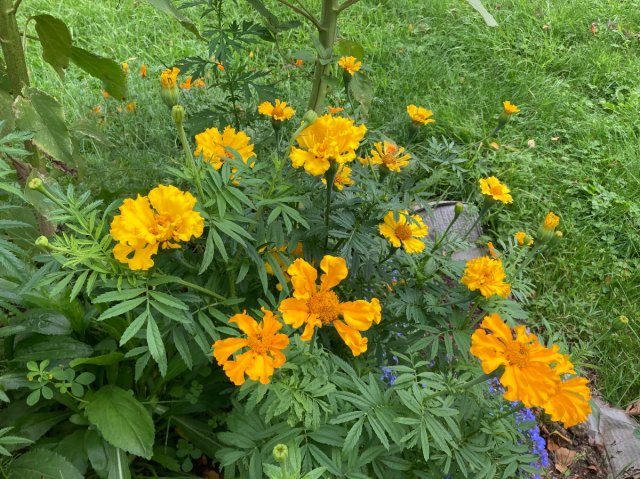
(121,308)
(156,346)
(133,328)
(122,420)
(168,300)
(102,360)
(43,464)
(119,295)
(56,42)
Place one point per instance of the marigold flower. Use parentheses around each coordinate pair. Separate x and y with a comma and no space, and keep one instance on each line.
(492,188)
(199,83)
(404,231)
(492,250)
(349,64)
(327,140)
(278,112)
(97,109)
(125,68)
(169,78)
(186,85)
(334,110)
(569,403)
(105,94)
(220,66)
(487,275)
(522,238)
(214,146)
(419,115)
(551,221)
(131,106)
(163,218)
(316,306)
(389,155)
(528,374)
(299,62)
(509,108)
(264,353)
(143,70)
(342,178)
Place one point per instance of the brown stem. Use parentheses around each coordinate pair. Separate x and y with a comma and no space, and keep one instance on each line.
(12,50)
(327,33)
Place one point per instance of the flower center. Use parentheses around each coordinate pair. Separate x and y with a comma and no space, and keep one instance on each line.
(389,159)
(517,354)
(277,113)
(259,344)
(496,190)
(326,305)
(403,232)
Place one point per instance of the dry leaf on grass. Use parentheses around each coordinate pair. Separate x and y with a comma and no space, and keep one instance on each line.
(634,409)
(564,459)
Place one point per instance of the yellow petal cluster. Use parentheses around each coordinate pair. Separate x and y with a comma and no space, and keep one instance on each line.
(163,218)
(264,349)
(486,275)
(404,231)
(389,155)
(551,221)
(278,112)
(341,179)
(533,373)
(419,115)
(522,238)
(492,188)
(326,141)
(168,78)
(215,147)
(350,64)
(509,108)
(316,306)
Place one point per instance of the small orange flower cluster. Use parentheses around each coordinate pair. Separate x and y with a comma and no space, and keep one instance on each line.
(487,275)
(533,374)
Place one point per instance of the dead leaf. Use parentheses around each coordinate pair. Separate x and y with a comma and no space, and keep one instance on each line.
(594,28)
(561,436)
(564,459)
(555,138)
(634,409)
(531,143)
(552,445)
(494,145)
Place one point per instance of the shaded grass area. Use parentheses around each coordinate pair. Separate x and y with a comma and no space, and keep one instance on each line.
(571,66)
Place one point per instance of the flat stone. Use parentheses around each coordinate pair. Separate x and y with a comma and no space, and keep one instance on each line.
(438,217)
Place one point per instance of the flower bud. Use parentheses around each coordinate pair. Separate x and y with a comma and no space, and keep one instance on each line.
(280,452)
(558,234)
(42,241)
(458,209)
(623,320)
(169,84)
(177,113)
(310,116)
(35,183)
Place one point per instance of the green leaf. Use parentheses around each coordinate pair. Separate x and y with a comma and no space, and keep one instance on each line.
(118,464)
(39,347)
(133,328)
(56,42)
(166,6)
(168,300)
(362,90)
(41,114)
(121,308)
(349,48)
(43,464)
(486,16)
(198,433)
(156,346)
(122,420)
(103,360)
(119,295)
(105,69)
(45,321)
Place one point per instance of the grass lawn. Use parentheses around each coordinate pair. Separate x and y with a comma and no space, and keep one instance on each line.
(572,67)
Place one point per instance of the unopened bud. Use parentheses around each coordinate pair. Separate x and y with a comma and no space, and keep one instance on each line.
(169,96)
(310,116)
(280,452)
(623,319)
(35,183)
(42,241)
(558,234)
(458,209)
(177,113)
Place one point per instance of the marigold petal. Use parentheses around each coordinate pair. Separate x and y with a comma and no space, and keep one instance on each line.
(351,337)
(389,233)
(235,370)
(294,311)
(246,323)
(358,314)
(312,323)
(261,369)
(303,278)
(413,245)
(569,404)
(224,348)
(335,269)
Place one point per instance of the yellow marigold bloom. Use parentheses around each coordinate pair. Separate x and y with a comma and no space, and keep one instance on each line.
(220,66)
(316,306)
(105,94)
(299,62)
(492,188)
(342,178)
(213,146)
(334,110)
(487,275)
(169,78)
(522,238)
(569,403)
(278,112)
(509,108)
(199,83)
(389,155)
(551,221)
(131,106)
(143,70)
(328,139)
(492,250)
(349,64)
(186,85)
(264,345)
(528,374)
(163,218)
(404,231)
(97,109)
(125,68)
(419,115)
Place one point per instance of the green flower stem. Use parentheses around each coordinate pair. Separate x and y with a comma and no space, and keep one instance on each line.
(329,176)
(470,384)
(437,244)
(483,210)
(196,287)
(191,160)
(391,253)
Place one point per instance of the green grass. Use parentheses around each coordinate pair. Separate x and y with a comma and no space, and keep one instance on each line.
(580,103)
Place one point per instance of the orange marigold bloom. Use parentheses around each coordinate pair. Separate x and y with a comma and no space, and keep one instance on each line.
(492,250)
(569,402)
(551,221)
(522,238)
(420,116)
(404,231)
(316,306)
(528,374)
(169,78)
(487,275)
(105,94)
(215,147)
(143,70)
(509,108)
(334,110)
(299,62)
(264,345)
(278,112)
(199,83)
(341,179)
(389,155)
(186,85)
(350,64)
(327,140)
(131,106)
(492,188)
(97,109)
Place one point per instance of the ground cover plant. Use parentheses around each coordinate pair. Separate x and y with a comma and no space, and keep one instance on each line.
(348,332)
